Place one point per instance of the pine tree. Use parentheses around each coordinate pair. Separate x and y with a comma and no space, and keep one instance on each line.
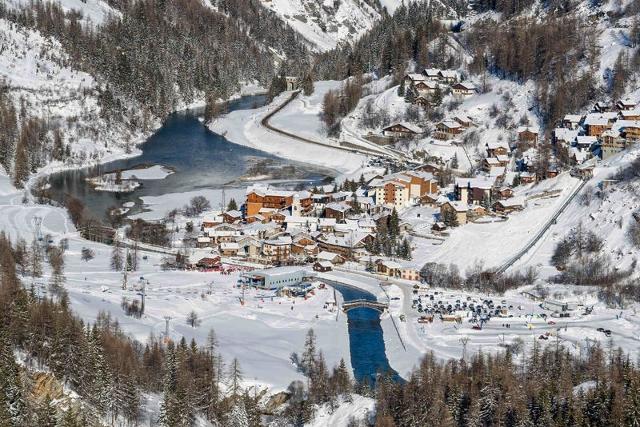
(234,378)
(309,355)
(401,89)
(169,411)
(36,259)
(394,224)
(450,218)
(116,257)
(232,206)
(21,164)
(237,417)
(12,400)
(436,99)
(58,146)
(307,84)
(454,161)
(341,379)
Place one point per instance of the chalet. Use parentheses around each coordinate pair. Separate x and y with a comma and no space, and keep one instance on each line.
(584,143)
(249,246)
(203,241)
(476,211)
(303,244)
(334,258)
(504,192)
(612,144)
(255,218)
(571,121)
(322,266)
(474,190)
(413,79)
(595,124)
(564,136)
(401,130)
(232,217)
(425,87)
(229,248)
(631,131)
(348,246)
(528,134)
(277,249)
(429,200)
(602,107)
(509,205)
(222,233)
(625,104)
(447,129)
(423,102)
(503,159)
(527,177)
(459,209)
(327,225)
(306,223)
(463,120)
(578,156)
(302,203)
(463,89)
(212,219)
(448,76)
(432,168)
(583,171)
(409,273)
(489,163)
(337,211)
(208,263)
(367,225)
(495,149)
(278,217)
(431,74)
(633,114)
(388,268)
(439,226)
(259,198)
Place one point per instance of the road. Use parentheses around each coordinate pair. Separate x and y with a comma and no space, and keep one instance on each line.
(360,150)
(504,267)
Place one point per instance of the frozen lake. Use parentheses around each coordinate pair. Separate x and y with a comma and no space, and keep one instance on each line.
(200,159)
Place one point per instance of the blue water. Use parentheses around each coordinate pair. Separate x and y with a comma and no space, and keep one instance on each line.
(366,339)
(201,160)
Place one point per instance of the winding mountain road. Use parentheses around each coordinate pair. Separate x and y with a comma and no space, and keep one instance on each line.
(352,149)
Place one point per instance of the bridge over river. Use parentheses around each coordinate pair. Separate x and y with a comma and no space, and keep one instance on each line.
(364,303)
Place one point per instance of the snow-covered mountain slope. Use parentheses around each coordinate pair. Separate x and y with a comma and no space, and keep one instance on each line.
(327,23)
(94,11)
(35,70)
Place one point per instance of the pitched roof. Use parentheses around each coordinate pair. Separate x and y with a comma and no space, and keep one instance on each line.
(408,126)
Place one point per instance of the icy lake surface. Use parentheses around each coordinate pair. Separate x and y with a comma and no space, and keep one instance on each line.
(200,158)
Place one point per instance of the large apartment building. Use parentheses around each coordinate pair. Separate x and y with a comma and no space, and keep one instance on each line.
(403,189)
(258,198)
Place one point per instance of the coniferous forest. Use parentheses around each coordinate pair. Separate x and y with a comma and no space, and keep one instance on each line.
(113,374)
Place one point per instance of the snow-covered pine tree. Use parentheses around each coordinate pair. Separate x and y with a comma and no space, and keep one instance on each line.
(309,354)
(116,257)
(237,417)
(234,379)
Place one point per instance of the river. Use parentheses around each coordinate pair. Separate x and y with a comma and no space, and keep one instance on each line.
(200,158)
(366,338)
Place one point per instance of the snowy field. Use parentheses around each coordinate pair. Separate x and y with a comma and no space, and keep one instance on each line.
(243,127)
